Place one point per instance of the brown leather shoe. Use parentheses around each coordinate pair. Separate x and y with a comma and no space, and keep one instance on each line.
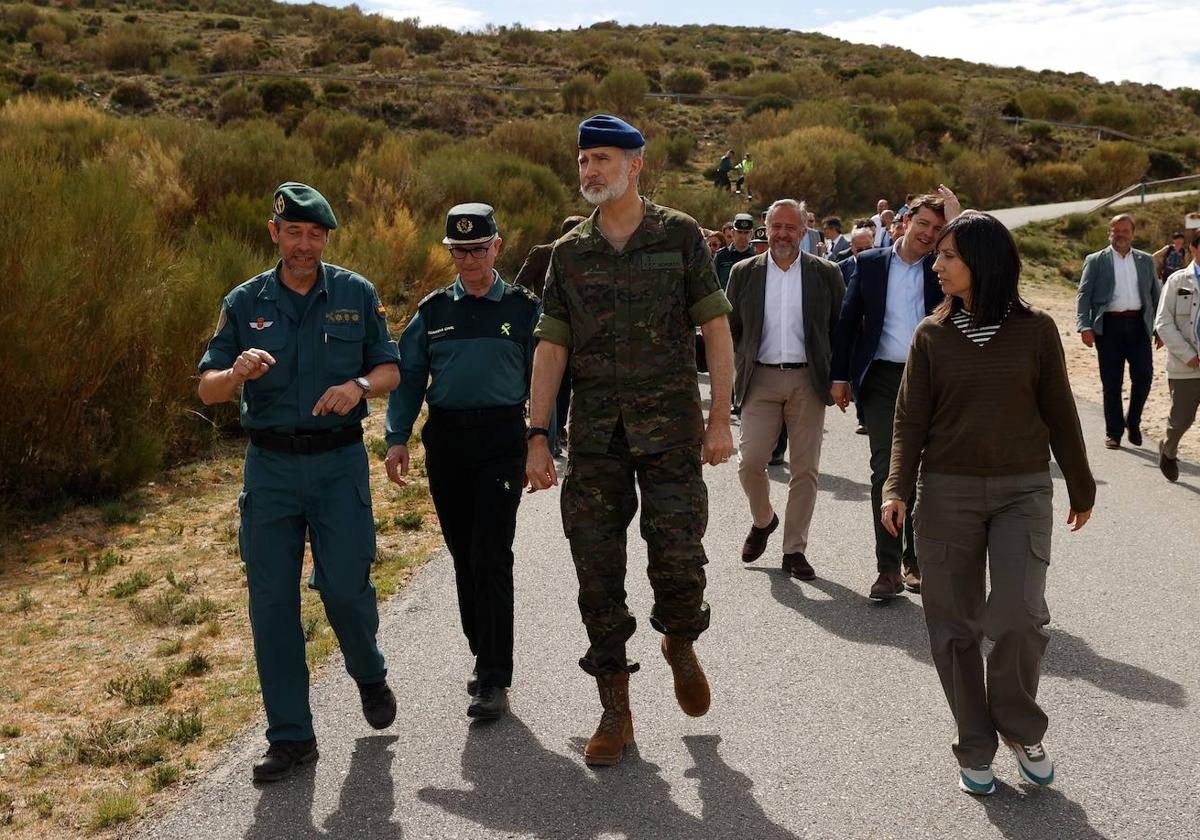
(615,732)
(756,540)
(911,575)
(886,587)
(1168,466)
(797,565)
(1112,443)
(691,686)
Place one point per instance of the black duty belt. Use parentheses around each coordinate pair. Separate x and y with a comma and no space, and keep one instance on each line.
(784,365)
(305,442)
(466,417)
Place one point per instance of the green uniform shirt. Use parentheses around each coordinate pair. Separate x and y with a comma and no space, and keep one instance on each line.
(629,320)
(726,258)
(461,351)
(342,334)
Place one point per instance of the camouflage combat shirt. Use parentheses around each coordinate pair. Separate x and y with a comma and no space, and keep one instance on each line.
(629,319)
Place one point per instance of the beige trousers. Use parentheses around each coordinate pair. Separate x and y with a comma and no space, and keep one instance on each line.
(775,397)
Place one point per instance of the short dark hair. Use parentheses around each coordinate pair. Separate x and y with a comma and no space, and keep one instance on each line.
(989,251)
(867,223)
(1178,235)
(934,202)
(1196,240)
(833,222)
(908,198)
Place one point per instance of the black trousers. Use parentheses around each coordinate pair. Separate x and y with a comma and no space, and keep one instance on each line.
(1124,340)
(475,462)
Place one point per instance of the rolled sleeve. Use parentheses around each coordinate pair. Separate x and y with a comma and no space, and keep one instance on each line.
(708,307)
(554,324)
(223,347)
(553,330)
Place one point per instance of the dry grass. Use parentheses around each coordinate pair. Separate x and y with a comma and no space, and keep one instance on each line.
(76,760)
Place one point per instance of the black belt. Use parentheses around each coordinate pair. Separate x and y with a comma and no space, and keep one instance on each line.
(783,365)
(306,442)
(466,417)
(1126,313)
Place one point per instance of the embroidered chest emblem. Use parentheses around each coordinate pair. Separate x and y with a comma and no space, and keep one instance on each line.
(260,324)
(506,328)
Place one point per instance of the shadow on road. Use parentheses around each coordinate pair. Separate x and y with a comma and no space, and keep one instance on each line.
(1151,459)
(901,624)
(519,787)
(1037,814)
(364,809)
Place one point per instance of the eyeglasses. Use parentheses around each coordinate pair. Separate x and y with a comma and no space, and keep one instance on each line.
(462,253)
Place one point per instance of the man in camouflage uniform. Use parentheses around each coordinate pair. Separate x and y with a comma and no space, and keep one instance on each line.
(624,292)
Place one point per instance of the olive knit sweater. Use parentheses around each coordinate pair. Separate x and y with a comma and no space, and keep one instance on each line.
(995,409)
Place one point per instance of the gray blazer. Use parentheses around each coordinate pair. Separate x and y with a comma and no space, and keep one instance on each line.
(1096,289)
(822,290)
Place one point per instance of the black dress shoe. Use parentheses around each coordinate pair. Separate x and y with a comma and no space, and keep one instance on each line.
(283,758)
(797,565)
(1168,466)
(1135,435)
(861,430)
(473,682)
(1112,443)
(756,540)
(378,704)
(776,461)
(490,703)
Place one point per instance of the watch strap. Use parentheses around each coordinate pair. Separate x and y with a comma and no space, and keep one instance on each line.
(535,431)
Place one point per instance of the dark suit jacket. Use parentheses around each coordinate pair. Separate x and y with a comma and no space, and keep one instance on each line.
(856,338)
(821,301)
(1096,289)
(533,272)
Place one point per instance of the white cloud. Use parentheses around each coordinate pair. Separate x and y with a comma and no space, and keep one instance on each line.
(452,15)
(1111,41)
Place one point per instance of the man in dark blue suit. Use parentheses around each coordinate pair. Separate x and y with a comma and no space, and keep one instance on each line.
(890,291)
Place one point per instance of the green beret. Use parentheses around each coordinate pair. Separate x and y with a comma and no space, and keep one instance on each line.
(295,202)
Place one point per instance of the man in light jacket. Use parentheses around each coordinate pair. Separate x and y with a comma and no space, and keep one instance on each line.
(1177,323)
(1115,306)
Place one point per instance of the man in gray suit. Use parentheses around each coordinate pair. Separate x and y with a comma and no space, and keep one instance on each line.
(1115,307)
(785,305)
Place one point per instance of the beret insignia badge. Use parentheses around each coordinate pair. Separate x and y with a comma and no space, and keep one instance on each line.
(464,226)
(280,205)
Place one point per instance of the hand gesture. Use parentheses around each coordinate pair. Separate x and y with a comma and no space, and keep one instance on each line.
(338,399)
(396,462)
(251,364)
(953,208)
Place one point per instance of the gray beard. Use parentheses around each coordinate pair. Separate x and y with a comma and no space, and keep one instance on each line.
(606,194)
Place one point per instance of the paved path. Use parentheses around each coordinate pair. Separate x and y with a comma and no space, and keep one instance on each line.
(1014,217)
(827,722)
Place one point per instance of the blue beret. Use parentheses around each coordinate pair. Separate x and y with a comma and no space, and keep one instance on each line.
(295,202)
(605,130)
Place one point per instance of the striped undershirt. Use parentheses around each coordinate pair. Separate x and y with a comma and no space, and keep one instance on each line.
(980,335)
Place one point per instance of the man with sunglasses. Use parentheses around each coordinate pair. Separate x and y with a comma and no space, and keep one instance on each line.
(467,352)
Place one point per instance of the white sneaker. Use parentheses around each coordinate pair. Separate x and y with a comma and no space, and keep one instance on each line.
(977,781)
(1033,762)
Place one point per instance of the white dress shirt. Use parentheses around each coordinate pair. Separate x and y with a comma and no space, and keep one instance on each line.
(904,308)
(783,316)
(1125,284)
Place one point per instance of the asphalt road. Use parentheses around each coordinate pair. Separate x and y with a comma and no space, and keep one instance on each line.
(1014,217)
(827,719)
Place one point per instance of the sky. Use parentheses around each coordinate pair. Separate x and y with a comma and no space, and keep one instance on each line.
(1151,41)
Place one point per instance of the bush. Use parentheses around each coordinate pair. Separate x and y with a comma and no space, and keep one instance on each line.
(709,207)
(233,52)
(47,38)
(550,143)
(767,102)
(578,94)
(130,47)
(338,138)
(238,103)
(229,23)
(1113,166)
(1190,97)
(1034,246)
(623,91)
(278,94)
(686,80)
(1041,104)
(1052,181)
(133,95)
(741,66)
(388,58)
(1121,117)
(430,39)
(680,146)
(56,85)
(985,179)
(719,69)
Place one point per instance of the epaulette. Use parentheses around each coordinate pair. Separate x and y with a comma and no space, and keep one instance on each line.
(521,290)
(431,296)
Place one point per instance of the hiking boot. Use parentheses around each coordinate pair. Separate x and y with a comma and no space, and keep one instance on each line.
(886,587)
(977,781)
(797,565)
(283,758)
(615,731)
(489,703)
(1033,762)
(1169,467)
(691,686)
(756,540)
(378,704)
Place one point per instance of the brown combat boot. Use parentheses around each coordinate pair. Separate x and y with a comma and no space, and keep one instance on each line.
(615,732)
(691,686)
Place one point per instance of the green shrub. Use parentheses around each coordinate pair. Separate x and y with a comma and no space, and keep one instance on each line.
(549,142)
(985,179)
(144,689)
(132,584)
(767,102)
(685,80)
(1034,247)
(1041,104)
(130,47)
(388,58)
(1126,118)
(1113,166)
(278,94)
(133,95)
(233,52)
(741,66)
(238,103)
(229,23)
(112,808)
(181,727)
(51,84)
(709,207)
(719,69)
(1052,181)
(623,90)
(338,138)
(679,147)
(578,94)
(1076,224)
(1189,97)
(163,776)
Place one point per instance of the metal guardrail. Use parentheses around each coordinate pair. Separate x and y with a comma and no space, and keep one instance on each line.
(1100,130)
(1141,186)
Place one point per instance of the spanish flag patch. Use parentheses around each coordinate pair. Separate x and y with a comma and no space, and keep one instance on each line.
(381,311)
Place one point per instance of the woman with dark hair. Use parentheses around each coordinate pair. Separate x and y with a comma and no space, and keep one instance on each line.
(984,401)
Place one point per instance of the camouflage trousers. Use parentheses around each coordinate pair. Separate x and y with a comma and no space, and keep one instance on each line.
(599,500)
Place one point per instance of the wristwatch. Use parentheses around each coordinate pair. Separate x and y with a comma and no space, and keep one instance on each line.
(534,431)
(364,383)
